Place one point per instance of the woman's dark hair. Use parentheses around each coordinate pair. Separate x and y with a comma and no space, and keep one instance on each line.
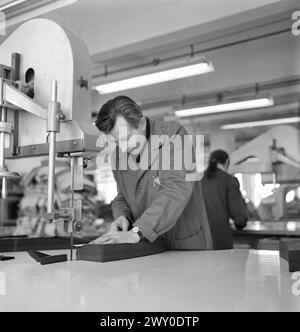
(123,106)
(215,158)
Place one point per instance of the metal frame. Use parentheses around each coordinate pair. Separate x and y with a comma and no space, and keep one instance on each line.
(10,98)
(37,150)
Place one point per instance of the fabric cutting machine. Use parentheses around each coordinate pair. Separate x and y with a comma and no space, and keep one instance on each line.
(275,155)
(45,107)
(268,152)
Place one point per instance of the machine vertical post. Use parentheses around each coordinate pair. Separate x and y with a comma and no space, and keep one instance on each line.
(4,182)
(51,177)
(72,204)
(5,129)
(3,118)
(53,127)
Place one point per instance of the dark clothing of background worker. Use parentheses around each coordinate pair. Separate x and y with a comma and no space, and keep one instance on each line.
(223,200)
(151,203)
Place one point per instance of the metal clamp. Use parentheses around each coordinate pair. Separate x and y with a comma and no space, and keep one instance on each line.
(6,127)
(5,173)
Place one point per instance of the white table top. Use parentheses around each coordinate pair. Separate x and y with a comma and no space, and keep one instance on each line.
(237,280)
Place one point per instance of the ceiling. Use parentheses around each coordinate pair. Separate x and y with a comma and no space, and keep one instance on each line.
(249,43)
(110,25)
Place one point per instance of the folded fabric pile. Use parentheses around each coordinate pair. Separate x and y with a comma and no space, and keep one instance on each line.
(33,205)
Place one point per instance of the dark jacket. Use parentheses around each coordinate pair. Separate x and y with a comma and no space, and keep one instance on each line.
(223,201)
(161,202)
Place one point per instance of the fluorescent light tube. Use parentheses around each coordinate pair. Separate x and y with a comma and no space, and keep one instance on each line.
(155,78)
(261,123)
(9,4)
(228,107)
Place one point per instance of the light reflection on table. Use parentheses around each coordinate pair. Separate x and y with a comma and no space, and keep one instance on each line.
(235,280)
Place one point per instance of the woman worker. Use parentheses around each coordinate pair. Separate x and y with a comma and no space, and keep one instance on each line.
(223,200)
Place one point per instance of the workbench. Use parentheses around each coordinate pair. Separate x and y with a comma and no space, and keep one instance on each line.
(236,280)
(259,230)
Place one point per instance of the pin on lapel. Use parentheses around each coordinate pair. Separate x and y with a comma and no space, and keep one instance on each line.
(157,182)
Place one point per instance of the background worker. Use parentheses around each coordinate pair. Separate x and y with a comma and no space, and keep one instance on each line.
(223,200)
